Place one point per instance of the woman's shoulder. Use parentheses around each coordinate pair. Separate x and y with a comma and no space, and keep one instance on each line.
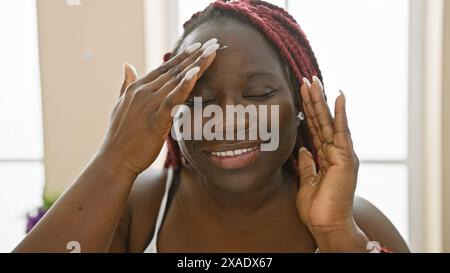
(377,226)
(148,188)
(139,218)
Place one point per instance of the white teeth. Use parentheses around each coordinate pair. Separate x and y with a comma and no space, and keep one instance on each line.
(234,152)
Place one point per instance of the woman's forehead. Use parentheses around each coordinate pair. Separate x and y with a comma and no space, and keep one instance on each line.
(246,48)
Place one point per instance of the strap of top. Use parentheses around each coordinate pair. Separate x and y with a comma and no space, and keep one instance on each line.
(152,247)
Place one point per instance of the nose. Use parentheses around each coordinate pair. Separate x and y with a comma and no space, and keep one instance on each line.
(238,115)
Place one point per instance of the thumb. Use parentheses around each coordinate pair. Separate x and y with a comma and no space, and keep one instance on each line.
(306,167)
(130,77)
(308,180)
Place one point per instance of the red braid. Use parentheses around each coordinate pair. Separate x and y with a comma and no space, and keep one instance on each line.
(284,34)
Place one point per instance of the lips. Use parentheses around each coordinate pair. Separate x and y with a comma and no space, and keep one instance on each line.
(234,155)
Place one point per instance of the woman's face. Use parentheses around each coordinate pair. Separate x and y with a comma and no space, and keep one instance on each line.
(247,72)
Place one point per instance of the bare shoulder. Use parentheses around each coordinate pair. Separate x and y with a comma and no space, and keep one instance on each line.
(148,189)
(377,226)
(139,218)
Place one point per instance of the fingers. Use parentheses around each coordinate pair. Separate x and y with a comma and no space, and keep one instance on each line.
(177,96)
(342,137)
(331,136)
(203,62)
(177,64)
(313,124)
(165,67)
(130,77)
(318,117)
(323,158)
(173,72)
(306,167)
(309,112)
(321,110)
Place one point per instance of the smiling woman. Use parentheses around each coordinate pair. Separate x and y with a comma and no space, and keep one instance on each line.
(349,51)
(223,195)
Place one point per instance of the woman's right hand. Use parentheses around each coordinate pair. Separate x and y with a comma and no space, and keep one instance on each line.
(142,119)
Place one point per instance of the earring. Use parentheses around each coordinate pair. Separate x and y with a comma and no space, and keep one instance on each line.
(301,116)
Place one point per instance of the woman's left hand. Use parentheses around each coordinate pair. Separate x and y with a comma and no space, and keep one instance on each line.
(325,198)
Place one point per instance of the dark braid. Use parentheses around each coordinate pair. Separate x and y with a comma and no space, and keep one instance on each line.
(285,36)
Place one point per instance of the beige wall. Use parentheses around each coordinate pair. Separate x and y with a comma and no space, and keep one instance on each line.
(82,49)
(446,129)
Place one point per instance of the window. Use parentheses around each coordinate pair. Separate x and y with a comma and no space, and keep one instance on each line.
(21,140)
(362,48)
(368,58)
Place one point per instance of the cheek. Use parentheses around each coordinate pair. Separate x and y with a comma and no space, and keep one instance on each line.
(288,125)
(190,148)
(287,114)
(190,153)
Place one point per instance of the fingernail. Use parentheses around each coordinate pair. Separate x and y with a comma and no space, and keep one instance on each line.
(129,67)
(191,73)
(305,81)
(303,149)
(316,79)
(210,50)
(342,94)
(190,49)
(209,42)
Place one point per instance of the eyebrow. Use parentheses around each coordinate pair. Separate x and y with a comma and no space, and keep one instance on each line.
(259,73)
(248,75)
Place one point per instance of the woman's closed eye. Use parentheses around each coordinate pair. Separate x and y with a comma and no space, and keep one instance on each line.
(260,94)
(190,101)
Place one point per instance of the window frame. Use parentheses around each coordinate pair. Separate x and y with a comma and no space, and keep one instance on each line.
(24,160)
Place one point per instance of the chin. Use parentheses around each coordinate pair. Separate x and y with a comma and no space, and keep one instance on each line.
(242,180)
(239,183)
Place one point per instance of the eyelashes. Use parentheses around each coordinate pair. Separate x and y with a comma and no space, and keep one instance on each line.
(261,95)
(256,96)
(190,102)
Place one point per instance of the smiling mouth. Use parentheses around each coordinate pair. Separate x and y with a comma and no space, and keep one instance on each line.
(234,158)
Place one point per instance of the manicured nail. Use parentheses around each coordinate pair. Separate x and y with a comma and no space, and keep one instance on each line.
(305,81)
(209,42)
(190,49)
(303,149)
(342,94)
(316,79)
(191,73)
(127,68)
(210,50)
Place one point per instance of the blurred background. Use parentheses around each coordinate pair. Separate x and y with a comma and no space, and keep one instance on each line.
(61,71)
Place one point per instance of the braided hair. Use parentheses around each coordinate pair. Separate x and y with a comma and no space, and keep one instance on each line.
(284,34)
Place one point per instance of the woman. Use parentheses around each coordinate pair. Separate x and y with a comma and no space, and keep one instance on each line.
(297,198)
